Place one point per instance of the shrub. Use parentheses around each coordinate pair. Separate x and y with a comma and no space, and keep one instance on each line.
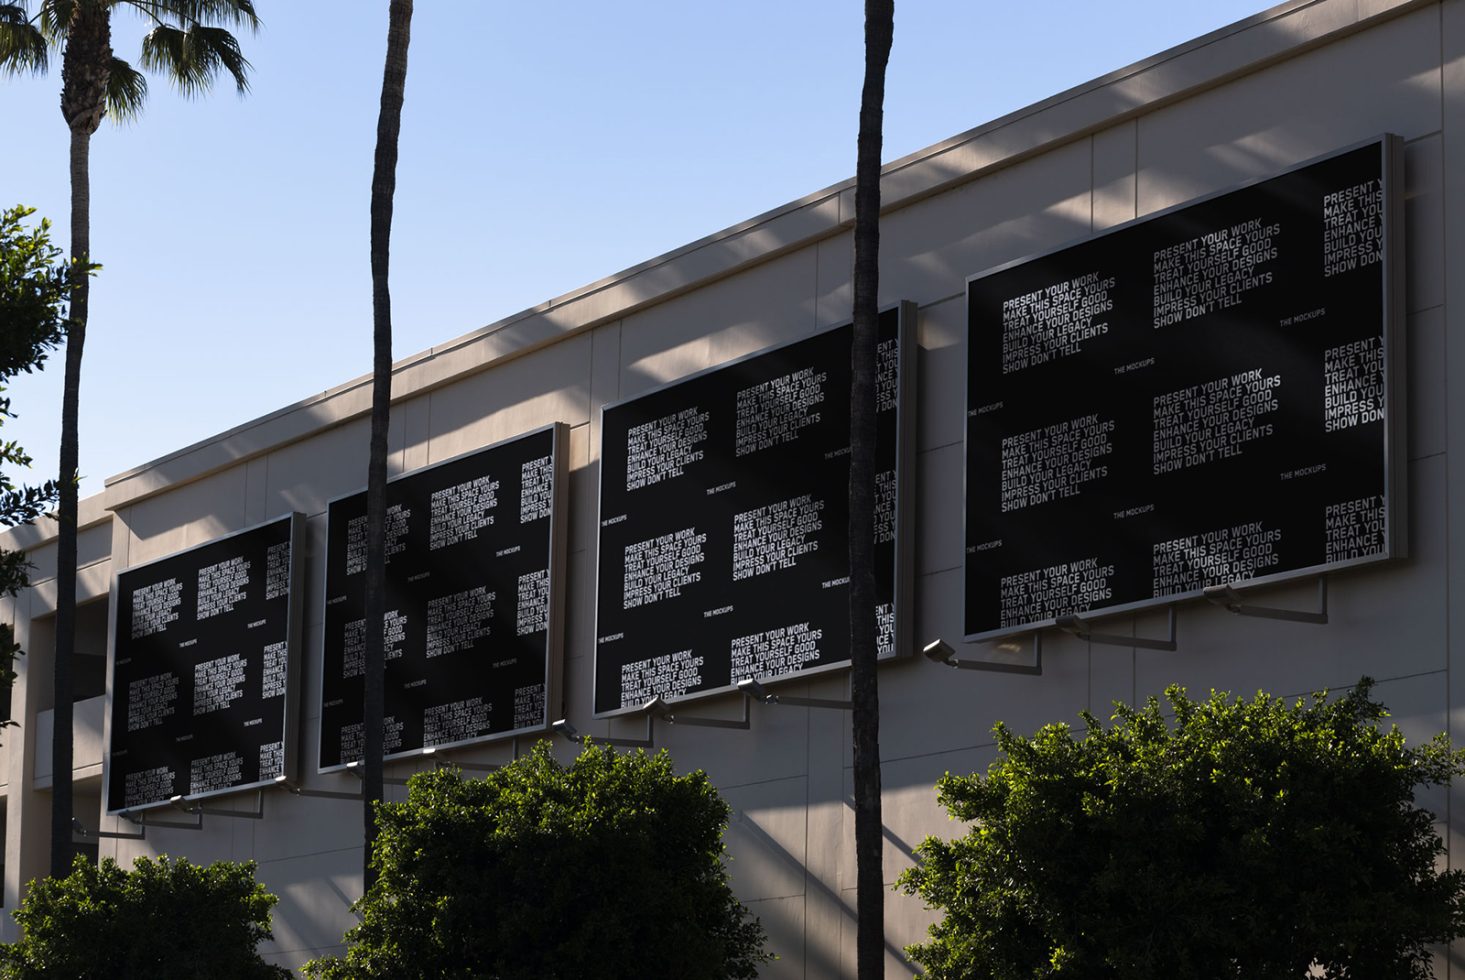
(1245,839)
(161,919)
(608,868)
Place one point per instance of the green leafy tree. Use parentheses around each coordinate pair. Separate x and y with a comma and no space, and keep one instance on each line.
(1242,839)
(161,919)
(188,45)
(33,290)
(609,868)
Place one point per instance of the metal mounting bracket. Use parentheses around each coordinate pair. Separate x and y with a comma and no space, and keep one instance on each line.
(441,763)
(753,690)
(1228,598)
(661,709)
(78,830)
(468,766)
(568,731)
(1081,629)
(315,794)
(140,817)
(941,652)
(359,768)
(257,813)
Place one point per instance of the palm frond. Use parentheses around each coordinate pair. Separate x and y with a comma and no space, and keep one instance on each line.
(193,57)
(22,45)
(127,90)
(56,18)
(226,13)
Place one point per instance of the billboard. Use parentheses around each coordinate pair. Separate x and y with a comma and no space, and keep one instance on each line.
(203,670)
(724,514)
(1206,396)
(475,549)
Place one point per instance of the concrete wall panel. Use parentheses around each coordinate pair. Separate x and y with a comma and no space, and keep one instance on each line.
(86,749)
(940,485)
(783,922)
(584,495)
(315,571)
(768,304)
(929,248)
(549,385)
(766,838)
(316,892)
(303,826)
(93,582)
(1419,706)
(580,614)
(256,491)
(1424,223)
(412,424)
(763,753)
(94,544)
(1426,385)
(190,515)
(43,561)
(1383,80)
(959,708)
(307,475)
(941,374)
(1114,175)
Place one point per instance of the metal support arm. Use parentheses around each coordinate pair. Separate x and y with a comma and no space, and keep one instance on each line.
(662,710)
(1228,598)
(314,794)
(78,830)
(1082,630)
(468,766)
(140,818)
(941,652)
(441,763)
(359,769)
(257,813)
(568,731)
(756,691)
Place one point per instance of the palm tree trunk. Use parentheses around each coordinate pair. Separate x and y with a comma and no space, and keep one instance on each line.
(864,688)
(61,731)
(383,188)
(84,72)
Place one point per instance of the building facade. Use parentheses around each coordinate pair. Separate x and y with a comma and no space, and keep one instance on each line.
(1301,80)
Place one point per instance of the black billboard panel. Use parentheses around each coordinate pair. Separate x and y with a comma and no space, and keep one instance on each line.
(203,670)
(724,501)
(1203,397)
(472,630)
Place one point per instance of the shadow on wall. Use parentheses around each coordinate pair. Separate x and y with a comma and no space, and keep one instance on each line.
(818,962)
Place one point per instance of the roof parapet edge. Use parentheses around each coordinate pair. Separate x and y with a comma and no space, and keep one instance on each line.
(557,318)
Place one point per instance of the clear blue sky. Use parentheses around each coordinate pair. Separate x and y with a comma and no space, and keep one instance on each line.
(543,146)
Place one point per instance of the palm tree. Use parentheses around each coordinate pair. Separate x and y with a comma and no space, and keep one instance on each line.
(864,690)
(187,45)
(383,187)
